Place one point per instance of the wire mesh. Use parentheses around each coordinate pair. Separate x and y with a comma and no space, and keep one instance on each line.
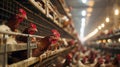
(44,24)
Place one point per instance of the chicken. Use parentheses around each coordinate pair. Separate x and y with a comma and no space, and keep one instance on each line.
(71,42)
(107,59)
(66,23)
(21,55)
(9,39)
(82,65)
(92,56)
(4,28)
(94,63)
(32,29)
(65,42)
(85,60)
(101,62)
(83,54)
(15,20)
(12,25)
(68,60)
(116,60)
(42,45)
(45,43)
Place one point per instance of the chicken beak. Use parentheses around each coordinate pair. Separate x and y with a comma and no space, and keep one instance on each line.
(36,30)
(25,17)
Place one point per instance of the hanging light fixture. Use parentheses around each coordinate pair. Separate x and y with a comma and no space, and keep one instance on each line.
(102,25)
(107,19)
(119,40)
(99,27)
(84,1)
(82,28)
(83,13)
(116,12)
(109,40)
(90,34)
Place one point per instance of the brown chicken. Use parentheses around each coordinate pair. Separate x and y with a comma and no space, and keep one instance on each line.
(71,42)
(45,43)
(16,19)
(116,60)
(42,43)
(32,29)
(21,55)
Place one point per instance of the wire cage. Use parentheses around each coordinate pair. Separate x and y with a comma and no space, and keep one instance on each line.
(44,24)
(8,8)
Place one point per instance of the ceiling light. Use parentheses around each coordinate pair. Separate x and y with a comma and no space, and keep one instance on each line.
(106,31)
(104,41)
(99,27)
(83,13)
(99,41)
(84,1)
(116,12)
(119,40)
(90,34)
(83,20)
(109,40)
(89,10)
(103,25)
(88,15)
(107,19)
(96,30)
(82,28)
(91,3)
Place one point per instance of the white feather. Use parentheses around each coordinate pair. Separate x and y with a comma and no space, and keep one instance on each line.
(84,54)
(95,62)
(4,28)
(103,64)
(81,64)
(87,53)
(9,39)
(81,54)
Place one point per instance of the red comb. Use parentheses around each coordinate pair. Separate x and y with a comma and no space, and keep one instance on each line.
(69,56)
(33,26)
(71,42)
(18,17)
(118,56)
(56,33)
(22,11)
(56,36)
(100,60)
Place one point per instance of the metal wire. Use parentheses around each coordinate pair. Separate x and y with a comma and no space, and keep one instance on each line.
(43,20)
(44,24)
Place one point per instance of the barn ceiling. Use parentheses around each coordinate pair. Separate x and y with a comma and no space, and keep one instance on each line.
(97,10)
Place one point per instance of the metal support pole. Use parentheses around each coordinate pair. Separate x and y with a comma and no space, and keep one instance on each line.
(46,8)
(28,47)
(5,52)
